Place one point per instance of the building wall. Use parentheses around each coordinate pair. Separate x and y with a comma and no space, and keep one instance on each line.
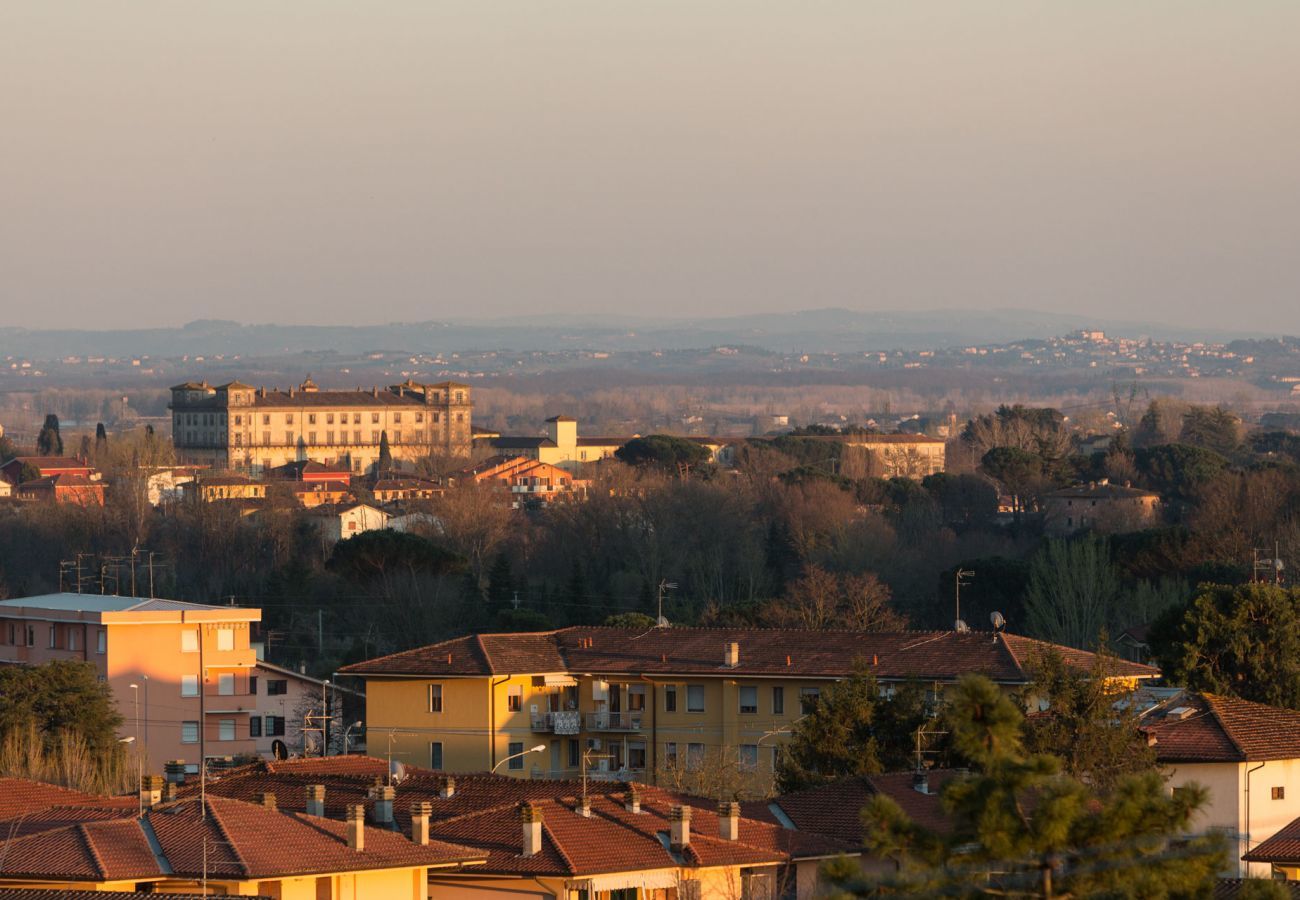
(1065,515)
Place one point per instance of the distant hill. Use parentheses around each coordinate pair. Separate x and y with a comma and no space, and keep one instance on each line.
(812,331)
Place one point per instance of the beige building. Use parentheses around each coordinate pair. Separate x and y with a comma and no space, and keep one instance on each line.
(238,427)
(190,665)
(901,455)
(1100,506)
(564,447)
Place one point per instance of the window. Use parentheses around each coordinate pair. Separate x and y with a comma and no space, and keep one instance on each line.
(189,685)
(636,756)
(329,436)
(435,755)
(252,685)
(670,698)
(808,698)
(31,636)
(419,417)
(311,437)
(274,726)
(516,750)
(266,420)
(748,698)
(374,437)
(329,418)
(226,685)
(226,730)
(778,700)
(225,639)
(13,633)
(276,686)
(670,754)
(1279,793)
(695,698)
(515,698)
(374,418)
(189,732)
(749,756)
(356,438)
(694,756)
(101,641)
(575,754)
(397,436)
(54,636)
(397,417)
(435,698)
(254,727)
(636,698)
(356,418)
(311,418)
(190,640)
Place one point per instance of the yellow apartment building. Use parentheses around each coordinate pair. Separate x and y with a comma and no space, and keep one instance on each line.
(640,704)
(181,670)
(246,429)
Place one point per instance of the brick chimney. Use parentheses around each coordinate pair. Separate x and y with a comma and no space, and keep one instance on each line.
(356,826)
(174,771)
(729,820)
(384,804)
(267,799)
(420,813)
(151,787)
(316,800)
(731,658)
(679,818)
(584,807)
(169,792)
(632,801)
(448,789)
(530,819)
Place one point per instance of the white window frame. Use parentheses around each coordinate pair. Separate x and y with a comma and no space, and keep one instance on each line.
(189,685)
(189,728)
(189,640)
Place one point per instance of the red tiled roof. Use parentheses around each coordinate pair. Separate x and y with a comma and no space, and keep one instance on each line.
(835,810)
(1282,848)
(1216,728)
(90,851)
(897,655)
(20,796)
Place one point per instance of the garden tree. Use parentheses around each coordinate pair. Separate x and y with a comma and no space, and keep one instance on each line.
(1023,828)
(385,461)
(1019,471)
(1072,592)
(1175,471)
(385,554)
(1242,640)
(672,454)
(101,442)
(48,441)
(835,739)
(62,696)
(1211,428)
(28,472)
(1039,431)
(822,599)
(1086,723)
(963,499)
(474,522)
(85,447)
(7,449)
(1239,511)
(501,585)
(1160,424)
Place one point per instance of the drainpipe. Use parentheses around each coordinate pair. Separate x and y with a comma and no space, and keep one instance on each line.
(492,726)
(1249,772)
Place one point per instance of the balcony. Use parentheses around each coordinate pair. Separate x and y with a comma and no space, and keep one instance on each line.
(564,722)
(615,721)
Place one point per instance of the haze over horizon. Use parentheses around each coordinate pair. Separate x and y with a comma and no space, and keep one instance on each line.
(325,163)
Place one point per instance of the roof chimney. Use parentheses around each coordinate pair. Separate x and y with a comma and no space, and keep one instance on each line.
(420,822)
(584,806)
(384,805)
(729,820)
(679,818)
(151,791)
(267,799)
(921,782)
(356,826)
(448,789)
(169,792)
(632,802)
(530,818)
(316,800)
(174,770)
(732,655)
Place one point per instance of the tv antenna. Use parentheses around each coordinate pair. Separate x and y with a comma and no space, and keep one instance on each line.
(962,579)
(664,585)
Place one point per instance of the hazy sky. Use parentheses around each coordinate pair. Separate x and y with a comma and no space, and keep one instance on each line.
(318,161)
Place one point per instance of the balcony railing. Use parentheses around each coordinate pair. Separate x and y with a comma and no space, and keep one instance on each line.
(614,721)
(563,722)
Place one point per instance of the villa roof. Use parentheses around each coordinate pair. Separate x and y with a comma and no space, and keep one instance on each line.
(1199,727)
(895,655)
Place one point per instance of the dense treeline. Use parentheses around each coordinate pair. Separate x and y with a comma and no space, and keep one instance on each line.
(797,533)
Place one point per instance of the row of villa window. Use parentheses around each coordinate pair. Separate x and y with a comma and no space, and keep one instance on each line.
(636,693)
(61,637)
(630,755)
(217,419)
(258,726)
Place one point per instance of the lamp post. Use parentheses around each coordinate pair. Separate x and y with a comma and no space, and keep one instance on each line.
(538,749)
(139,761)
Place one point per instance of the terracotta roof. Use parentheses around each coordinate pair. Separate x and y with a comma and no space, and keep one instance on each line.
(88,851)
(19,796)
(50,462)
(834,810)
(896,655)
(1196,727)
(522,442)
(1102,492)
(1283,847)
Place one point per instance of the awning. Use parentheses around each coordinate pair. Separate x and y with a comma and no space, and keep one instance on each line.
(559,681)
(655,878)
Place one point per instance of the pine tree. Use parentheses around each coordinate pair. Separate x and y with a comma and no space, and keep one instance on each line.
(385,463)
(500,592)
(49,442)
(835,739)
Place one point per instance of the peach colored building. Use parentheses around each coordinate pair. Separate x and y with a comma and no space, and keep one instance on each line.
(190,664)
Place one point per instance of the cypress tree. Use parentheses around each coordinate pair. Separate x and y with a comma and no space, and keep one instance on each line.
(101,441)
(385,462)
(49,442)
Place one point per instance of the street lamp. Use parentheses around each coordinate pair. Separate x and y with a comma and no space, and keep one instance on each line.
(139,760)
(538,749)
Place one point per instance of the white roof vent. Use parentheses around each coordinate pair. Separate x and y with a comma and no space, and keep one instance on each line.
(1179,712)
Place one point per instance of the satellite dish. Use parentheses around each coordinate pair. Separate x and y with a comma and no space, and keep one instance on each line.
(279,750)
(999,621)
(961,626)
(396,772)
(662,622)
